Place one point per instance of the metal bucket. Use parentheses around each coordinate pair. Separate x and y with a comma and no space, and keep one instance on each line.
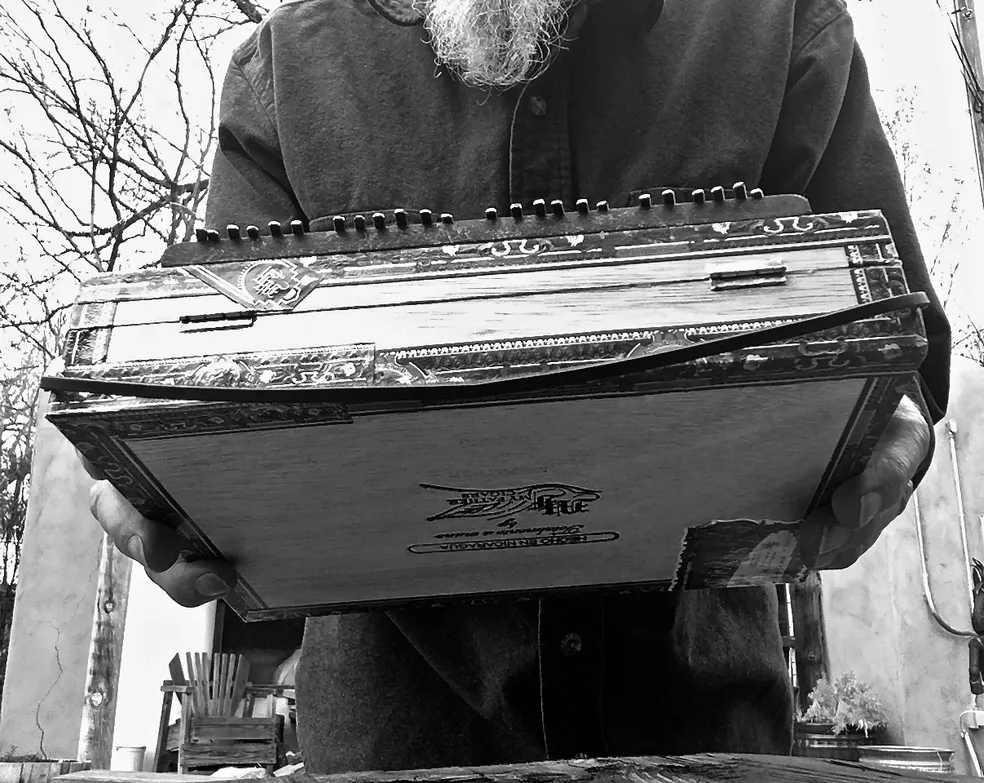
(817,740)
(910,758)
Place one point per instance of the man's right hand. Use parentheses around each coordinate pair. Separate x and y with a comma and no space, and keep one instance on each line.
(158,548)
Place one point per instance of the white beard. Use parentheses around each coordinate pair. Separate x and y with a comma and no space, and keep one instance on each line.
(494,43)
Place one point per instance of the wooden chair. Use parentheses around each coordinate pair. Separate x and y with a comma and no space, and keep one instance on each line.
(217,727)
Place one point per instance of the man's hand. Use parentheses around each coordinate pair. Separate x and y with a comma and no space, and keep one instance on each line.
(158,548)
(863,506)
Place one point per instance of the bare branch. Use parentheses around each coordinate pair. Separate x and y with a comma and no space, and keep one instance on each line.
(250,10)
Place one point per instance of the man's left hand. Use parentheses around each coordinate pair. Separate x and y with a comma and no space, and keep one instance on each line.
(863,506)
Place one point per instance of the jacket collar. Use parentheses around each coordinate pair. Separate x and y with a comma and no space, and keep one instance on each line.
(645,11)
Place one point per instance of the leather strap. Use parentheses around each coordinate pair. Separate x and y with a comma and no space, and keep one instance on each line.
(493,388)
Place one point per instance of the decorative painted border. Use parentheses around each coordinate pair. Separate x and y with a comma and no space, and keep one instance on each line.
(866,345)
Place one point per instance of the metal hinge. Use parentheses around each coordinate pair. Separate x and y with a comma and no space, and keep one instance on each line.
(743,274)
(210,321)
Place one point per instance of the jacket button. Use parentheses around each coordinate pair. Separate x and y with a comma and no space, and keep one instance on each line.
(538,106)
(571,644)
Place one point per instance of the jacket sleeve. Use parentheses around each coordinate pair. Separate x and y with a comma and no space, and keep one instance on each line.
(831,147)
(249,183)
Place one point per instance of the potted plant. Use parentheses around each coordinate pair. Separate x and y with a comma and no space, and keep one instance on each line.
(843,715)
(32,768)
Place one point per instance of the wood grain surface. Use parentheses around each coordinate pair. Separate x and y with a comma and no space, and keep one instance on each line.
(105,656)
(336,515)
(393,288)
(709,768)
(438,317)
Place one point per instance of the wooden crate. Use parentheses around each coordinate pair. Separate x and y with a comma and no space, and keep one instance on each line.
(232,742)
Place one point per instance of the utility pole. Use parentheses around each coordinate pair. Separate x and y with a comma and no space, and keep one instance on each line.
(967,35)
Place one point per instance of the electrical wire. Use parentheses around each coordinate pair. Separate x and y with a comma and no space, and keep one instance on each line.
(972,752)
(927,589)
(951,429)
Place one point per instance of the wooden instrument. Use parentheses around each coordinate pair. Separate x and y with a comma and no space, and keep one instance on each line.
(414,409)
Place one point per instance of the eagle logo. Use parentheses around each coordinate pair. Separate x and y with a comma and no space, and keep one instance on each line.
(495,504)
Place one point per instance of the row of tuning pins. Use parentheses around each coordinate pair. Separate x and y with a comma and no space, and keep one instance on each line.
(699,197)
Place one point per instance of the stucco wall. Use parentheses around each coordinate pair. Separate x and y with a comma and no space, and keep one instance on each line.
(52,623)
(49,640)
(878,622)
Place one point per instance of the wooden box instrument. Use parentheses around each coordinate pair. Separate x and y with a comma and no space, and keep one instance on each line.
(414,409)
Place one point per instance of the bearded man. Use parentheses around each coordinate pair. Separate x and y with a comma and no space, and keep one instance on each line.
(335,107)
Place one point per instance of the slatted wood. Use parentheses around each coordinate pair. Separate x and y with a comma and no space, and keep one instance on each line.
(230,754)
(221,729)
(226,741)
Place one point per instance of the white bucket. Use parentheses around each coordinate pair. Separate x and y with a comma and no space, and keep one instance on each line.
(128,758)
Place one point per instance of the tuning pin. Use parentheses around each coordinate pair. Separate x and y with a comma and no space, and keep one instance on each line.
(447,218)
(360,223)
(491,214)
(401,217)
(426,217)
(700,197)
(233,232)
(717,194)
(540,207)
(757,194)
(582,206)
(252,232)
(213,235)
(669,198)
(602,206)
(276,230)
(297,227)
(516,210)
(557,207)
(645,201)
(338,223)
(201,235)
(741,191)
(379,221)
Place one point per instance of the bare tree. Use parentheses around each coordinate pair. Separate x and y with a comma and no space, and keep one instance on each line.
(16,434)
(939,206)
(106,135)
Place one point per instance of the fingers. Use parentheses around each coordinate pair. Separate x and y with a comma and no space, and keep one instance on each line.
(159,549)
(883,486)
(151,544)
(196,583)
(840,545)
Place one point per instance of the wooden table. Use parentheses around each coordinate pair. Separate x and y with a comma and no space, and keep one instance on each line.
(709,768)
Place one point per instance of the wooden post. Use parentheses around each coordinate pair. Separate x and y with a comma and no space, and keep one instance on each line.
(966,27)
(810,635)
(105,651)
